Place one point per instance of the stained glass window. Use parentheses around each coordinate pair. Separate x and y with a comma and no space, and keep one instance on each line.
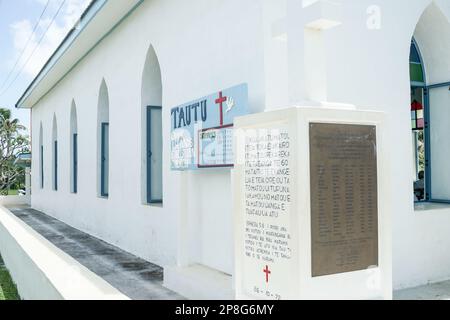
(418,99)
(417,116)
(415,65)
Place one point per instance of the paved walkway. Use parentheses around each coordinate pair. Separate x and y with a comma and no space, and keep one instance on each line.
(134,277)
(435,291)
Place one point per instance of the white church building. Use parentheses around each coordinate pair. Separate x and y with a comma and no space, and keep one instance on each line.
(105,106)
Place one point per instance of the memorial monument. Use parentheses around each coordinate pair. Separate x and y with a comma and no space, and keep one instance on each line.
(311,213)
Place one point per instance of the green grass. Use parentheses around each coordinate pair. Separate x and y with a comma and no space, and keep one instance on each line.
(13,192)
(8,290)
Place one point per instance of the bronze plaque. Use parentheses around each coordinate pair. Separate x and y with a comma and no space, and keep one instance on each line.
(344,200)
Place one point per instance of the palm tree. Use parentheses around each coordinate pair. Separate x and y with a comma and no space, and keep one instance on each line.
(12,142)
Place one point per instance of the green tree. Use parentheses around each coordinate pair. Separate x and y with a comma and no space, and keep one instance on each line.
(12,143)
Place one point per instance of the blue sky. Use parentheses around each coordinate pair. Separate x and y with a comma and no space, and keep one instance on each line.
(17,21)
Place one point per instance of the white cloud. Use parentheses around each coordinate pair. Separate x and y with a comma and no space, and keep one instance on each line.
(21,31)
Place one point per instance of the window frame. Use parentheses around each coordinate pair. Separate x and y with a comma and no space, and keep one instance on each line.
(428,168)
(423,86)
(75,162)
(416,83)
(41,148)
(149,154)
(104,193)
(427,128)
(55,165)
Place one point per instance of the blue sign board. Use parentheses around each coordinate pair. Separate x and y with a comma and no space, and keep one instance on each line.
(202,130)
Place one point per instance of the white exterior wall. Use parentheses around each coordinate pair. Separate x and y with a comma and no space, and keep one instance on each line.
(206,45)
(369,68)
(201,48)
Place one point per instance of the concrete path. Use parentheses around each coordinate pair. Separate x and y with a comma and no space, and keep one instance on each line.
(435,291)
(134,277)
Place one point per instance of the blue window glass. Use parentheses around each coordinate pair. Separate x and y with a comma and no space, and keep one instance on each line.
(105,160)
(42,167)
(154,155)
(55,182)
(414,54)
(75,163)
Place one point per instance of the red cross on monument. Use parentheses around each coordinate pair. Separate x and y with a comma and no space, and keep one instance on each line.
(267,272)
(220,101)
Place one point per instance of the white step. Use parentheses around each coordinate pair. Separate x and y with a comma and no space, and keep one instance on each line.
(198,282)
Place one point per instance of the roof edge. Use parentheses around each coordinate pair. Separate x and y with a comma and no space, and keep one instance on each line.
(89,13)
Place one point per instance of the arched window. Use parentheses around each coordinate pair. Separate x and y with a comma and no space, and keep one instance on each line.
(152,142)
(416,69)
(418,91)
(103,141)
(41,157)
(73,149)
(55,153)
(430,105)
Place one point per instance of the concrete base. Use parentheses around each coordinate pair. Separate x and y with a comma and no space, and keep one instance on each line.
(198,282)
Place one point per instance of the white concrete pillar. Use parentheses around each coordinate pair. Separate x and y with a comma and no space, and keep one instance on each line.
(183,259)
(306,22)
(318,16)
(295,46)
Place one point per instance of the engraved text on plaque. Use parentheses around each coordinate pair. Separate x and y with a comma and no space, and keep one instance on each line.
(344,214)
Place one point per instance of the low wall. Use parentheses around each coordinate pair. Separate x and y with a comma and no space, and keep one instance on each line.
(421,255)
(41,271)
(14,200)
